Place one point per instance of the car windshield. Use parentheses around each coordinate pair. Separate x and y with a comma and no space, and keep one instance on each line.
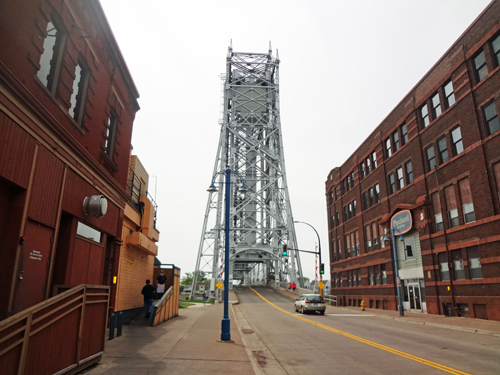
(315,298)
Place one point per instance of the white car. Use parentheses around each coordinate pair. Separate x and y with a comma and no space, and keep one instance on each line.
(310,302)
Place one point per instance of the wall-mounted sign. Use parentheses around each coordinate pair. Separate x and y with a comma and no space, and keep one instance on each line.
(402,222)
(35,255)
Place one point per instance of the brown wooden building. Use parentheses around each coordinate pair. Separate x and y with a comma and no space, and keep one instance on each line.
(437,155)
(67,104)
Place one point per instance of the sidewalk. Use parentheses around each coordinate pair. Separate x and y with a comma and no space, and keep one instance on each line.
(187,344)
(487,327)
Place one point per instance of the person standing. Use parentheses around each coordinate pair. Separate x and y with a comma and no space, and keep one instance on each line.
(148,291)
(161,280)
(293,287)
(204,297)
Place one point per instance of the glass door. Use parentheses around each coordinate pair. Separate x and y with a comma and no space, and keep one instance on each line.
(414,297)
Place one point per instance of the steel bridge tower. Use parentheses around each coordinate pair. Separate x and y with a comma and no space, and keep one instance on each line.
(251,144)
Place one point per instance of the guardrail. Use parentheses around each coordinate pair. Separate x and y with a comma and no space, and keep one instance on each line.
(65,333)
(332,299)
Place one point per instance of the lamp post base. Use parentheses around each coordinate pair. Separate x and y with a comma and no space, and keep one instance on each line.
(225,334)
(401,310)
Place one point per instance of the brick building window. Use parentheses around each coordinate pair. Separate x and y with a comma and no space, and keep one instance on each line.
(443,149)
(388,149)
(451,204)
(438,216)
(431,158)
(368,238)
(480,68)
(404,134)
(374,159)
(337,218)
(400,176)
(348,245)
(496,173)
(392,184)
(364,200)
(354,210)
(374,236)
(436,106)
(368,166)
(79,94)
(358,271)
(381,233)
(383,273)
(362,170)
(491,118)
(395,140)
(377,193)
(495,47)
(449,94)
(356,235)
(444,270)
(458,265)
(424,115)
(466,198)
(409,172)
(50,60)
(353,244)
(370,275)
(109,144)
(370,197)
(339,249)
(456,138)
(377,274)
(474,263)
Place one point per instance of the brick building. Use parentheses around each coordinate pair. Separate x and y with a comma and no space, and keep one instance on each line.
(139,249)
(67,104)
(434,164)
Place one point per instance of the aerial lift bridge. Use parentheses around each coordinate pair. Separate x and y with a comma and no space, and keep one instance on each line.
(251,145)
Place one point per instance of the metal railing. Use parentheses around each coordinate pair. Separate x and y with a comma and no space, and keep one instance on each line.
(65,333)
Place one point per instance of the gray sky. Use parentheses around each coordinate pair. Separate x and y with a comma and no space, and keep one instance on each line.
(344,66)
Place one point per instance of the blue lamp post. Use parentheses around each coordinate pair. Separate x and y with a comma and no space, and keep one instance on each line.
(226,324)
(398,281)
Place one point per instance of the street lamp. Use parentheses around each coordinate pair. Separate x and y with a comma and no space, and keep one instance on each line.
(225,326)
(398,281)
(319,250)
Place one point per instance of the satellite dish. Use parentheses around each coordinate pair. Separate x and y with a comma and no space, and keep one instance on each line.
(96,205)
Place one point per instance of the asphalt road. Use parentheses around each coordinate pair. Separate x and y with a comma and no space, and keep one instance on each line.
(286,342)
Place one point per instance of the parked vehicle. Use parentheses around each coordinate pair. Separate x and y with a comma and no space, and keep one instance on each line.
(310,302)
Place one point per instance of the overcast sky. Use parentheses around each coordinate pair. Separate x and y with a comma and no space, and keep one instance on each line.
(344,66)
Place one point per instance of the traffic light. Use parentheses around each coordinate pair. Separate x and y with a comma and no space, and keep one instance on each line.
(322,268)
(285,252)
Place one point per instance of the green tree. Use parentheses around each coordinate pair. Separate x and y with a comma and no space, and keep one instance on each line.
(303,279)
(189,276)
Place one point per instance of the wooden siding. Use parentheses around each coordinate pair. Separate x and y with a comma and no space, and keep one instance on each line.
(47,185)
(16,152)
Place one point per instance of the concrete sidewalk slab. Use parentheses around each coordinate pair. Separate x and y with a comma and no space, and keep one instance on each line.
(187,344)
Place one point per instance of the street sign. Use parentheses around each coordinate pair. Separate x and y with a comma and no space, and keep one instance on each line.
(321,285)
(218,285)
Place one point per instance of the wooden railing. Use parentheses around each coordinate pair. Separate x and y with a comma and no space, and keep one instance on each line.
(61,335)
(168,306)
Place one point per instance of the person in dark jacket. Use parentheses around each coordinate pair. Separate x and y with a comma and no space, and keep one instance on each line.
(148,291)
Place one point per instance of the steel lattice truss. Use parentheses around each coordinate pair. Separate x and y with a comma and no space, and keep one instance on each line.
(251,144)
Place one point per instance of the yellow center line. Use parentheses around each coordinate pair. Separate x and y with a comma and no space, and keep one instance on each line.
(374,344)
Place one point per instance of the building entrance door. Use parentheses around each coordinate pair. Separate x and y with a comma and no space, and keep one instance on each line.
(414,297)
(34,266)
